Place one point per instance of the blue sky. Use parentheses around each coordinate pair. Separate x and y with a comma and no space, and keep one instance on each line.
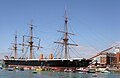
(96,23)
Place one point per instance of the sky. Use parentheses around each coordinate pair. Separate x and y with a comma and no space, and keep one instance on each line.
(95,23)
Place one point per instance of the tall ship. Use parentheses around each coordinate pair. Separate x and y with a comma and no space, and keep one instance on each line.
(52,63)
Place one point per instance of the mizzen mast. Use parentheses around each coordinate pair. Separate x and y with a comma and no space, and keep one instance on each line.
(15,46)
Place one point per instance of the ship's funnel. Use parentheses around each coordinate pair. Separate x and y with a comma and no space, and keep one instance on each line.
(41,56)
(51,56)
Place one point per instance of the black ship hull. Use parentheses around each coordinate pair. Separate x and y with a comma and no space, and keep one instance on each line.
(48,63)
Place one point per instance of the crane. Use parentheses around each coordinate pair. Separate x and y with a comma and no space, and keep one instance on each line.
(100,53)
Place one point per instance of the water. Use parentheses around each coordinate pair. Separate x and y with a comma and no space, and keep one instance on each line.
(50,74)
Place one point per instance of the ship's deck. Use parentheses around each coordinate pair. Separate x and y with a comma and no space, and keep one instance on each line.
(46,59)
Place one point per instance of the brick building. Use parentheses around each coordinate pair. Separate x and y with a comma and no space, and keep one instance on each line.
(107,59)
(117,50)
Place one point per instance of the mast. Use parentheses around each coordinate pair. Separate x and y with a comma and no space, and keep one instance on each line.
(31,45)
(65,39)
(15,46)
(31,42)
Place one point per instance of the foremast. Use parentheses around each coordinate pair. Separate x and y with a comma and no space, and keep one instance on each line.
(65,39)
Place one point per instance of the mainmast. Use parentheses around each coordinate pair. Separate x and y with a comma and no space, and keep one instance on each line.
(65,39)
(31,45)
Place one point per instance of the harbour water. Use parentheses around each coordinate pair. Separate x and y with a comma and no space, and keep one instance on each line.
(50,74)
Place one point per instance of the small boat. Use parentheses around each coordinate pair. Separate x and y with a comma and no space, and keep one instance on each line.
(92,70)
(34,71)
(10,69)
(26,68)
(1,67)
(94,75)
(21,69)
(105,71)
(68,70)
(82,70)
